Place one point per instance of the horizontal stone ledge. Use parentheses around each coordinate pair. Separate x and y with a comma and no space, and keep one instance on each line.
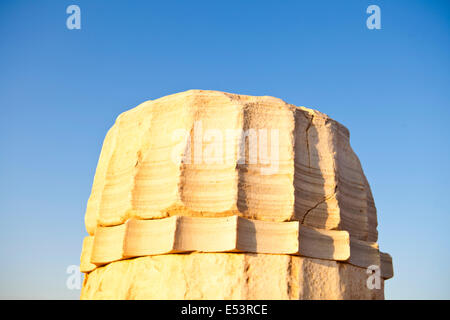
(367,254)
(179,234)
(364,254)
(387,269)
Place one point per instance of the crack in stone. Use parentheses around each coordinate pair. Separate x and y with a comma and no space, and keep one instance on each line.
(318,203)
(307,140)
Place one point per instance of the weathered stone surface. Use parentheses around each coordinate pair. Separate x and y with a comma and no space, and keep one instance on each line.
(228,276)
(312,175)
(387,270)
(180,234)
(289,174)
(364,254)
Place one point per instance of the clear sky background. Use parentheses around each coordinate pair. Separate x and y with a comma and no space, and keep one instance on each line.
(60,91)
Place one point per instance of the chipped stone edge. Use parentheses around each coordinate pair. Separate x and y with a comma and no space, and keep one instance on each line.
(137,238)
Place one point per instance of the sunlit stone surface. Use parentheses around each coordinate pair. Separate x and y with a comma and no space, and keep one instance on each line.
(210,154)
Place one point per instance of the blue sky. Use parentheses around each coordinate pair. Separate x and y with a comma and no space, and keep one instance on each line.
(60,91)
